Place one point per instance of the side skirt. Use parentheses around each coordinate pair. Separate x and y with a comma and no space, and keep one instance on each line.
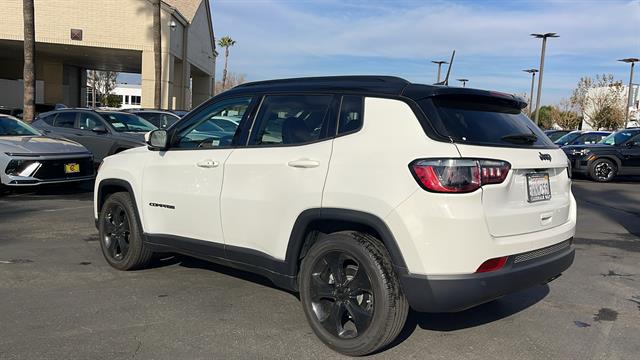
(236,257)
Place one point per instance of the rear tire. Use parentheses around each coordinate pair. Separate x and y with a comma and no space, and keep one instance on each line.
(603,170)
(350,293)
(120,234)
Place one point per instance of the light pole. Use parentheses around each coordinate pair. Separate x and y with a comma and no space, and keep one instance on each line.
(544,45)
(463,81)
(533,77)
(627,110)
(439,62)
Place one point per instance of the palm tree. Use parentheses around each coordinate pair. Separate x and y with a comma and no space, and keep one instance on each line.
(29,76)
(226,42)
(157,56)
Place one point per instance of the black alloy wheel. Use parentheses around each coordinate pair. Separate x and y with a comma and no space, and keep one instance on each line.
(117,232)
(121,238)
(341,295)
(350,293)
(603,170)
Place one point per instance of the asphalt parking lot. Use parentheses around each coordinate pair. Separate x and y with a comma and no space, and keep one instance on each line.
(60,300)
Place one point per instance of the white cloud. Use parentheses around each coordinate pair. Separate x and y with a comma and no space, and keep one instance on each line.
(277,38)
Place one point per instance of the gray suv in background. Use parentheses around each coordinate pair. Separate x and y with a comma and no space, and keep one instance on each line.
(102,132)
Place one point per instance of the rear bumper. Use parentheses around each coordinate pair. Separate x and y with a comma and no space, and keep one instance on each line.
(451,293)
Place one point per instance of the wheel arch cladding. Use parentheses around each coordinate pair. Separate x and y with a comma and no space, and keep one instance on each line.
(614,159)
(329,220)
(112,186)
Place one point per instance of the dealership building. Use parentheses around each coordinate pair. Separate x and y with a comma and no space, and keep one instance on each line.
(73,36)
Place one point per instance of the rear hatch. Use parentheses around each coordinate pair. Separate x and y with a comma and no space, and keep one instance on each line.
(535,195)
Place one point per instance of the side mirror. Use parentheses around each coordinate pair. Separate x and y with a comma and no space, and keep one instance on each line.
(156,139)
(100,129)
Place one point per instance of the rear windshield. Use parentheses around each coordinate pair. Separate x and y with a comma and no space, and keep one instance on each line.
(482,120)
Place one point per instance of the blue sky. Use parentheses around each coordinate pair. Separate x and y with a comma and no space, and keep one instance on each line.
(286,38)
(289,38)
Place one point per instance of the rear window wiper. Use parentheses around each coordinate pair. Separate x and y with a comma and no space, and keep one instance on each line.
(520,138)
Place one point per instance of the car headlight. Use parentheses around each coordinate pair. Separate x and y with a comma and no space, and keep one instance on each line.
(581,152)
(22,167)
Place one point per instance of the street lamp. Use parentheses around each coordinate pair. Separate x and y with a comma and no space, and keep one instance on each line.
(544,45)
(440,62)
(463,81)
(533,76)
(627,110)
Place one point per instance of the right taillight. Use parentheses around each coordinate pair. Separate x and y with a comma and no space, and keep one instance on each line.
(458,175)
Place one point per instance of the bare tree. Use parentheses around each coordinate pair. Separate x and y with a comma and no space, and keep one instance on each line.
(564,115)
(600,101)
(232,80)
(157,54)
(102,83)
(29,73)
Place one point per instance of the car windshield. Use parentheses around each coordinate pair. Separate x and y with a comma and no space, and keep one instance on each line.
(555,135)
(14,127)
(124,122)
(618,137)
(568,138)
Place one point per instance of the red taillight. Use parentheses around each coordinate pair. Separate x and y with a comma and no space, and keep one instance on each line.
(494,171)
(458,175)
(492,264)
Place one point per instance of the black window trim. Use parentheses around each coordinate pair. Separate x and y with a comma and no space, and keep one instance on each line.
(332,113)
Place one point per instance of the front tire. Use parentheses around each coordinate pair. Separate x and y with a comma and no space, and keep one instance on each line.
(350,293)
(603,170)
(120,234)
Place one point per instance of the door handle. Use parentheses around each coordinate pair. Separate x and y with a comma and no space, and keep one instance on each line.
(304,163)
(208,164)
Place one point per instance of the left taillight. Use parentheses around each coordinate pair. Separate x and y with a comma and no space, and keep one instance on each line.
(458,175)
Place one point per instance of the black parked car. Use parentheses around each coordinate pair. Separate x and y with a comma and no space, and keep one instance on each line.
(104,133)
(617,154)
(159,118)
(556,134)
(582,137)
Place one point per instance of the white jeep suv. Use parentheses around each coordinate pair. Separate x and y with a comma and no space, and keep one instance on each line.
(366,194)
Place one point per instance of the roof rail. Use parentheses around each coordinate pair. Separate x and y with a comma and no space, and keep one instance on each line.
(330,79)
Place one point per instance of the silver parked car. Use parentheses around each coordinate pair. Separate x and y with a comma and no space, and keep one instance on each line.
(28,158)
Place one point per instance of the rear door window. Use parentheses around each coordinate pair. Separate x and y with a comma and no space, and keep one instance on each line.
(65,119)
(482,120)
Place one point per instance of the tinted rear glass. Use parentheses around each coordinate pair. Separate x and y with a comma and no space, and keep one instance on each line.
(482,120)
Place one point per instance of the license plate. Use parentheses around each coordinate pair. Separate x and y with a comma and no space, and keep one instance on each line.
(71,168)
(538,187)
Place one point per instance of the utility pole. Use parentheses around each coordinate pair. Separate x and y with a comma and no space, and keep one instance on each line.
(544,45)
(463,81)
(632,61)
(439,62)
(533,77)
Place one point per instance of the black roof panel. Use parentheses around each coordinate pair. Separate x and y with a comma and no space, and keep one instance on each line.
(388,85)
(362,84)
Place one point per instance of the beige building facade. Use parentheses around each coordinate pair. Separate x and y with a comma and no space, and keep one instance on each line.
(75,35)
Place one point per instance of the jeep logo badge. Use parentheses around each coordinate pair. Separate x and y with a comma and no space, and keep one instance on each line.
(544,157)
